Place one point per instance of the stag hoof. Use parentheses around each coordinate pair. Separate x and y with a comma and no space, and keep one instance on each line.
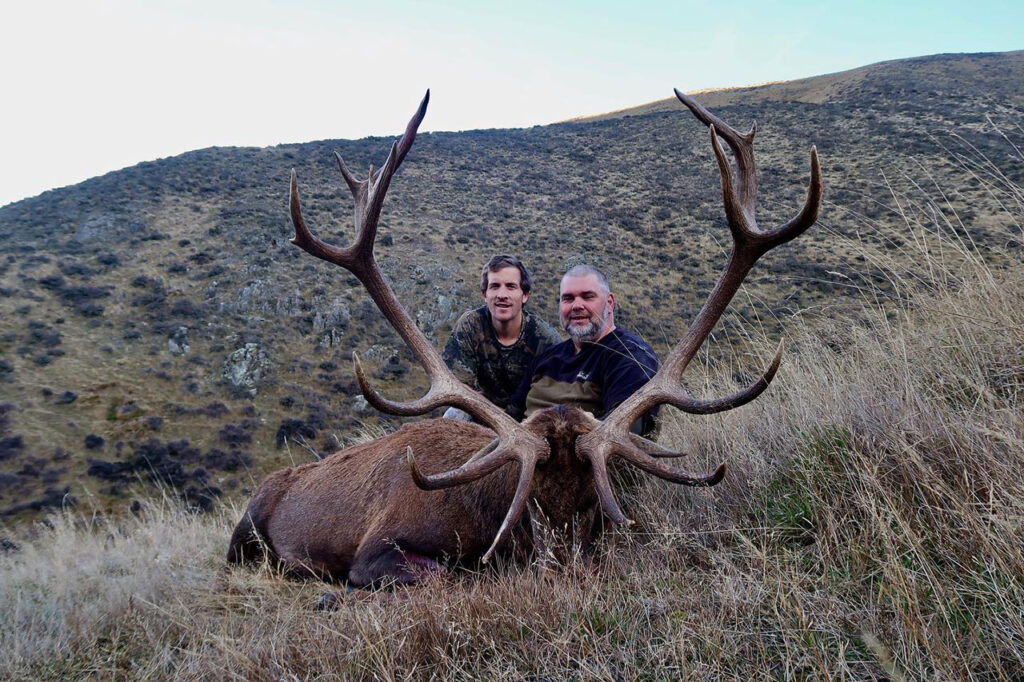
(331,600)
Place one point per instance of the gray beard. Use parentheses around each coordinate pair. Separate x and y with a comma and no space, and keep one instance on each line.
(589,333)
(583,334)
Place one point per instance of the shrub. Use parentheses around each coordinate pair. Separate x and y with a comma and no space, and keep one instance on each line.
(10,446)
(293,427)
(233,434)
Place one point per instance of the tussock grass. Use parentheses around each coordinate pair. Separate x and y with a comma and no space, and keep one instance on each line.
(871,525)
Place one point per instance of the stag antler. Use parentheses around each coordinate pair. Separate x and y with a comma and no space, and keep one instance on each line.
(514,442)
(749,243)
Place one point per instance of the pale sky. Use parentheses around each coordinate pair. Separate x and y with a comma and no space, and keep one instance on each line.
(93,86)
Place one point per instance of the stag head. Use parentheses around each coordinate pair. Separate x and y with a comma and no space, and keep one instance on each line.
(562,453)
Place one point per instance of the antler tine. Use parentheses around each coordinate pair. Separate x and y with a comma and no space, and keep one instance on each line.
(305,239)
(738,214)
(516,509)
(599,470)
(369,199)
(380,181)
(467,473)
(709,119)
(409,136)
(358,258)
(403,409)
(808,214)
(350,180)
(742,145)
(652,448)
(670,473)
(479,465)
(443,391)
(681,399)
(376,191)
(632,453)
(749,244)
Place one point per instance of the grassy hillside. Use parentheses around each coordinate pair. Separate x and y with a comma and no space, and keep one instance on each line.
(870,528)
(130,301)
(986,76)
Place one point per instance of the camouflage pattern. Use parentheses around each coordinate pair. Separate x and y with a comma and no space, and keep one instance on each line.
(478,359)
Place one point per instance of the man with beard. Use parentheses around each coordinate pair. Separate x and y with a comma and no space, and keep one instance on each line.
(599,366)
(491,346)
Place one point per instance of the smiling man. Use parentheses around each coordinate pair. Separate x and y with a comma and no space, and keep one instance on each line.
(491,346)
(599,366)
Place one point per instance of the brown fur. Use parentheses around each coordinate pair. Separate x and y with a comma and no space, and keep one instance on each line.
(358,516)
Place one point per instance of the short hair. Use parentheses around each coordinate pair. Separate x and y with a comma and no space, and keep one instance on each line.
(583,270)
(502,261)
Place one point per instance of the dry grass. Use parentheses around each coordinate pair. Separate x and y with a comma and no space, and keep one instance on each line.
(871,526)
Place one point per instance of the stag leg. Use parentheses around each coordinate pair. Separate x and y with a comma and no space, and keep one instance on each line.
(249,542)
(246,546)
(384,561)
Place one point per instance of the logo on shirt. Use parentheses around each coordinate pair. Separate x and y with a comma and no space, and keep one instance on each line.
(583,376)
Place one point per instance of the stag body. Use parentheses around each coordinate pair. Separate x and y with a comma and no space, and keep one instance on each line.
(364,514)
(359,516)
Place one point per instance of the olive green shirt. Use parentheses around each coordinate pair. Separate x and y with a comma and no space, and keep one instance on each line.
(478,359)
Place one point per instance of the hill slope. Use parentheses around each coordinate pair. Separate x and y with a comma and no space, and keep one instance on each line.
(989,76)
(155,324)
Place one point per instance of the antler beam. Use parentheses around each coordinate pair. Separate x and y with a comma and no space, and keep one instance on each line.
(514,441)
(749,244)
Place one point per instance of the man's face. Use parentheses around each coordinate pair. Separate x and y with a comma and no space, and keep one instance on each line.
(504,294)
(585,308)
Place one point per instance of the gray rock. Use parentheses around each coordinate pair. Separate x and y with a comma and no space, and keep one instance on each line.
(177,344)
(331,322)
(431,318)
(430,294)
(262,297)
(336,316)
(247,367)
(66,398)
(95,227)
(330,339)
(129,410)
(360,406)
(380,352)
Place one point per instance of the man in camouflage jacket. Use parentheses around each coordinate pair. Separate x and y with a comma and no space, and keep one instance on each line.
(491,346)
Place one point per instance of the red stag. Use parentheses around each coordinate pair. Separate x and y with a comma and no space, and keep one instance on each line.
(368,514)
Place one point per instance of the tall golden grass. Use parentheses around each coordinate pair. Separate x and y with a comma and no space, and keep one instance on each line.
(871,525)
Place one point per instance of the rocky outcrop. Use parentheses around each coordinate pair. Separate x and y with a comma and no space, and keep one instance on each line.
(246,367)
(329,324)
(263,298)
(177,343)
